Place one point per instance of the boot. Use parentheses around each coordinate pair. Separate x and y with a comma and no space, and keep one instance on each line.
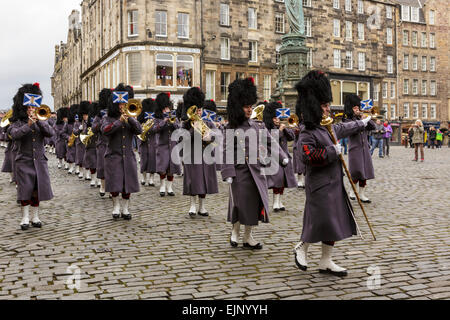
(99,182)
(93,183)
(169,189)
(87,174)
(102,188)
(276,202)
(11,177)
(362,195)
(193,209)
(125,213)
(249,242)
(81,174)
(326,265)
(202,211)
(116,208)
(70,169)
(151,182)
(143,179)
(66,166)
(147,178)
(25,224)
(162,189)
(77,169)
(301,181)
(36,222)
(235,234)
(59,163)
(282,208)
(301,255)
(352,195)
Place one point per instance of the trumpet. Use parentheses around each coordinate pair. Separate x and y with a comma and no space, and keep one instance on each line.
(133,108)
(258,113)
(5,121)
(145,129)
(42,113)
(198,124)
(292,121)
(71,141)
(86,138)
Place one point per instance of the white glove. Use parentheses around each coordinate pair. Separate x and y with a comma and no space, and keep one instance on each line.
(338,148)
(366,120)
(81,127)
(229,180)
(285,162)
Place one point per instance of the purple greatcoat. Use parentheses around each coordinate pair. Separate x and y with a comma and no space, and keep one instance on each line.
(120,161)
(359,158)
(31,162)
(80,148)
(143,154)
(9,160)
(285,177)
(328,214)
(299,166)
(71,151)
(51,141)
(198,179)
(61,143)
(249,199)
(100,147)
(163,131)
(90,155)
(151,168)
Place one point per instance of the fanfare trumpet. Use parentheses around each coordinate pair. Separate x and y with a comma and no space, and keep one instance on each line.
(43,113)
(86,138)
(5,121)
(71,141)
(292,121)
(145,129)
(133,108)
(258,113)
(197,122)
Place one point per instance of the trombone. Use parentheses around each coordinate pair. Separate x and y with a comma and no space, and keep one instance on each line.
(133,108)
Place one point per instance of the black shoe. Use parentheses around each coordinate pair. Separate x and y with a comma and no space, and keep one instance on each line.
(282,209)
(24,227)
(255,247)
(366,201)
(151,184)
(304,268)
(233,244)
(171,194)
(334,273)
(162,194)
(88,179)
(276,210)
(36,224)
(102,194)
(206,214)
(116,216)
(143,183)
(352,198)
(192,214)
(126,217)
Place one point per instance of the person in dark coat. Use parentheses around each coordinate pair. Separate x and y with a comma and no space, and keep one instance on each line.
(285,177)
(120,162)
(199,178)
(248,198)
(211,106)
(299,166)
(359,158)
(61,146)
(33,181)
(50,142)
(78,129)
(163,128)
(328,214)
(8,161)
(143,146)
(100,112)
(90,155)
(67,135)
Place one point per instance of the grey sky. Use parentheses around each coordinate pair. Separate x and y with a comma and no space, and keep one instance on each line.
(29,31)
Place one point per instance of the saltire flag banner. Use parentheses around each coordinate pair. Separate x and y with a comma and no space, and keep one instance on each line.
(32,100)
(219,119)
(208,115)
(120,97)
(77,118)
(283,113)
(367,105)
(173,114)
(149,115)
(103,113)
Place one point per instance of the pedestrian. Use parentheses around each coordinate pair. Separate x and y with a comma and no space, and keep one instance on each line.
(378,133)
(80,126)
(299,166)
(359,157)
(144,144)
(10,154)
(33,181)
(120,162)
(328,216)
(90,154)
(439,137)
(432,138)
(344,143)
(61,145)
(386,137)
(418,139)
(248,196)
(69,137)
(410,137)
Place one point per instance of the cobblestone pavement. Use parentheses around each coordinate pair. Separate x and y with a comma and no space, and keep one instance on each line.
(164,254)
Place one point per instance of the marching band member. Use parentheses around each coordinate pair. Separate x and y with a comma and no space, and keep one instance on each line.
(50,142)
(199,179)
(90,156)
(210,105)
(33,181)
(143,146)
(359,158)
(299,166)
(285,177)
(163,129)
(328,215)
(78,128)
(100,112)
(248,202)
(60,143)
(67,134)
(151,136)
(120,162)
(10,154)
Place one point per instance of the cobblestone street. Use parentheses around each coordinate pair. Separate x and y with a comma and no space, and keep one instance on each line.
(163,254)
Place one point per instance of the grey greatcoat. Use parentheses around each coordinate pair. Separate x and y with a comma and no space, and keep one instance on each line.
(328,214)
(285,177)
(9,160)
(359,158)
(60,142)
(80,148)
(120,161)
(151,153)
(198,179)
(31,162)
(143,154)
(164,163)
(90,155)
(100,147)
(249,199)
(299,166)
(71,151)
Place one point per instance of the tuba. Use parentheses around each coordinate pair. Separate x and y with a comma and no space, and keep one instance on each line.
(43,113)
(86,138)
(133,108)
(258,113)
(145,129)
(197,122)
(5,121)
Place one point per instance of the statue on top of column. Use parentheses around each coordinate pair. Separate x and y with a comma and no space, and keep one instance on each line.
(295,15)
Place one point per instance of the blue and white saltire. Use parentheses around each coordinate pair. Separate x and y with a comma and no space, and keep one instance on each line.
(208,115)
(120,97)
(149,115)
(367,105)
(283,113)
(32,100)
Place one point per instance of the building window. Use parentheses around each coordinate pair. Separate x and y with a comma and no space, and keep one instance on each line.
(348,5)
(210,93)
(134,66)
(278,55)
(405,37)
(360,7)
(406,110)
(349,60)
(424,111)
(414,38)
(415,89)
(336,4)
(361,31)
(337,58)
(390,64)
(405,86)
(414,14)
(376,92)
(224,14)
(161,23)
(432,41)
(415,110)
(133,23)
(424,63)
(225,48)
(433,110)
(267,91)
(253,51)
(185,67)
(405,13)
(309,57)
(433,64)
(389,35)
(424,40)
(308,30)
(240,75)
(431,17)
(385,90)
(424,87)
(406,62)
(348,31)
(392,111)
(415,63)
(307,3)
(433,88)
(279,23)
(252,19)
(392,90)
(164,70)
(224,83)
(336,28)
(361,61)
(183,25)
(385,108)
(388,12)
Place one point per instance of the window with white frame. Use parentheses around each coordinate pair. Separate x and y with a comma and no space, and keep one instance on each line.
(433,110)
(424,63)
(433,88)
(349,60)
(361,31)
(424,87)
(361,61)
(432,64)
(405,37)
(406,62)
(307,3)
(185,71)
(415,110)
(336,4)
(432,41)
(183,25)
(415,14)
(393,106)
(225,48)
(337,58)
(431,17)
(309,57)
(384,107)
(405,13)
(348,31)
(415,85)
(348,5)
(424,110)
(424,40)
(279,22)
(414,38)
(392,90)
(210,93)
(360,7)
(308,30)
(278,55)
(224,14)
(134,68)
(133,23)
(253,51)
(405,86)
(161,23)
(406,110)
(415,63)
(224,83)
(389,35)
(267,88)
(376,92)
(252,19)
(385,90)
(336,28)
(390,64)
(164,70)
(388,12)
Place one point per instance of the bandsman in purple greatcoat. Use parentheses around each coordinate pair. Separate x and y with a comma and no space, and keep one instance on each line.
(328,215)
(33,181)
(78,128)
(68,135)
(90,156)
(50,142)
(8,161)
(60,143)
(121,174)
(144,145)
(299,166)
(249,200)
